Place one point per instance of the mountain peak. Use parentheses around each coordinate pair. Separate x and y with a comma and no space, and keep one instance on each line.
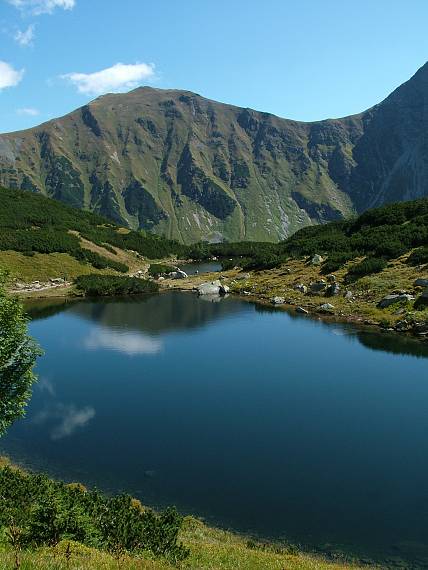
(173,162)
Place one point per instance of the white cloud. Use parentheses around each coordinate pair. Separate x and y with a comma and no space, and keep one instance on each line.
(126,342)
(25,37)
(38,7)
(119,77)
(9,77)
(28,111)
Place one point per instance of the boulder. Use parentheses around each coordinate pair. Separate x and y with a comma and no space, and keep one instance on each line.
(318,286)
(349,295)
(300,287)
(317,259)
(403,326)
(302,311)
(212,288)
(277,300)
(177,274)
(224,289)
(391,299)
(422,301)
(333,289)
(242,277)
(421,283)
(326,308)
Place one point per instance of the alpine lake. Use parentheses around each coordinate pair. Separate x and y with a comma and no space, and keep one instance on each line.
(255,419)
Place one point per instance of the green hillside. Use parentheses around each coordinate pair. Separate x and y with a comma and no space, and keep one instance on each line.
(40,237)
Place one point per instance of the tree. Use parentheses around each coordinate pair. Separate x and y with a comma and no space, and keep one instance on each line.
(18,354)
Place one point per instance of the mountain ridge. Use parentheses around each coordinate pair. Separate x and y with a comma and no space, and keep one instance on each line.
(190,168)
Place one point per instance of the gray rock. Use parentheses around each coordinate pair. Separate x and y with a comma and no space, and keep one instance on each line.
(333,289)
(242,277)
(326,308)
(300,287)
(318,286)
(277,300)
(224,289)
(391,299)
(212,288)
(317,259)
(302,311)
(178,274)
(349,295)
(421,283)
(403,325)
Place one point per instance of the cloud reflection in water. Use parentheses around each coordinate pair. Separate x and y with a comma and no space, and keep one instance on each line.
(70,419)
(129,343)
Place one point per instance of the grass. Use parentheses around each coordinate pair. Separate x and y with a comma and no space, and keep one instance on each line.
(43,266)
(211,549)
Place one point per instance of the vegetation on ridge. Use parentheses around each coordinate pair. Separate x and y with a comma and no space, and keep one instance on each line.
(32,223)
(379,235)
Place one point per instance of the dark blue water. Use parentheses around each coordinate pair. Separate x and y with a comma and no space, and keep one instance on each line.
(202,267)
(254,419)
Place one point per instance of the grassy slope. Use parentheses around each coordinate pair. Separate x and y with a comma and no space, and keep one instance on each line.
(210,550)
(34,214)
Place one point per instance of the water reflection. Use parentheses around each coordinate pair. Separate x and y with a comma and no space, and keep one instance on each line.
(156,314)
(63,419)
(126,342)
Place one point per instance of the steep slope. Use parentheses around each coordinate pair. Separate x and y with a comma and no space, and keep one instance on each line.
(190,168)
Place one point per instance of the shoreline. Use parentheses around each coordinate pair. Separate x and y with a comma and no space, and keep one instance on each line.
(351,557)
(67,291)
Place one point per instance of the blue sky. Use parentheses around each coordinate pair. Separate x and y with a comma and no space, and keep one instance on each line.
(306,59)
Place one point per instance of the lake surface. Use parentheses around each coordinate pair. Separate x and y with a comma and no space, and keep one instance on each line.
(253,418)
(202,267)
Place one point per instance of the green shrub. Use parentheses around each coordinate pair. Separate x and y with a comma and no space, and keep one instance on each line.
(418,257)
(335,261)
(102,285)
(157,269)
(100,262)
(367,267)
(47,512)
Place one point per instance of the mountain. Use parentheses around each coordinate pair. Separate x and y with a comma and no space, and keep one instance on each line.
(190,168)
